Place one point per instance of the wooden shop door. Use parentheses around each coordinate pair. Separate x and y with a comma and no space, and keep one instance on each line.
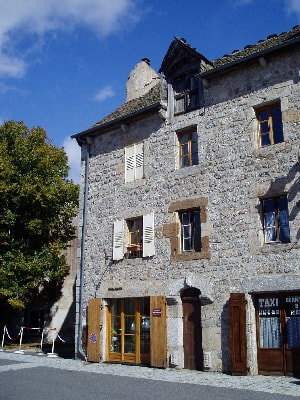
(93,339)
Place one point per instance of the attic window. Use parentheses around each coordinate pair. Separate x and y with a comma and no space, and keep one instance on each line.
(186,94)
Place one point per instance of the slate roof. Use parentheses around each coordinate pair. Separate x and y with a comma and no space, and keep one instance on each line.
(152,98)
(263,46)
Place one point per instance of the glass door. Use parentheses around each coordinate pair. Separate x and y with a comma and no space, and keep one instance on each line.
(129,330)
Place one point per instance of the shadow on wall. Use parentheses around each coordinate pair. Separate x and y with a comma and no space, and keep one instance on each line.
(225,339)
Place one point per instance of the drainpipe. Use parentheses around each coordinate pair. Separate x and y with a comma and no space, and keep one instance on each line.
(80,350)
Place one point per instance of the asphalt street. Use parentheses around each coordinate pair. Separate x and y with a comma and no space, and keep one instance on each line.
(34,378)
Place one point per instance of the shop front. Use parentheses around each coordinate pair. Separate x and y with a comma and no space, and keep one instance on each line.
(278,333)
(132,329)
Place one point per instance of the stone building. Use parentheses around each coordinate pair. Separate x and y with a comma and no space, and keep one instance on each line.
(190,222)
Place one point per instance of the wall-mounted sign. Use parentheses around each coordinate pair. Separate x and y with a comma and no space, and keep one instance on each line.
(93,338)
(156,312)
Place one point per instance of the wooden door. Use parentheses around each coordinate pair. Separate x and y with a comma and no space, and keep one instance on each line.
(238,340)
(158,331)
(192,330)
(93,339)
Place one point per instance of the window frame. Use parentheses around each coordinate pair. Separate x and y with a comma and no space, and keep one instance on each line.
(134,228)
(186,93)
(121,241)
(191,155)
(276,225)
(267,129)
(190,230)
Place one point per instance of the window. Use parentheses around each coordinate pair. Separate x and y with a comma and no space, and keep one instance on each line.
(134,237)
(276,220)
(134,162)
(269,120)
(190,230)
(188,149)
(186,91)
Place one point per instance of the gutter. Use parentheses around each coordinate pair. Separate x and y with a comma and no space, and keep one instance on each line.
(80,350)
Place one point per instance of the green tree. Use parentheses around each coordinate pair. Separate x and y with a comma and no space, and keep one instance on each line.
(37,206)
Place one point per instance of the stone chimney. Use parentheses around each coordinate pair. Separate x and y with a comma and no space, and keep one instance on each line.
(141,79)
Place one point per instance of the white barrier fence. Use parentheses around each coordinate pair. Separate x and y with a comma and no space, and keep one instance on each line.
(54,332)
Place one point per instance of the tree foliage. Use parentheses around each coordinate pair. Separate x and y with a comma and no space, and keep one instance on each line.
(37,206)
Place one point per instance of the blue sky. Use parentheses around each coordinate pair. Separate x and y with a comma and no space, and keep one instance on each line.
(64,64)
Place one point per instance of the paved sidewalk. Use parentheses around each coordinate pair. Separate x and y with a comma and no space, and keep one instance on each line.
(269,384)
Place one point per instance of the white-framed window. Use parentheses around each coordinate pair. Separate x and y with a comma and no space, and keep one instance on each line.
(190,230)
(134,162)
(134,237)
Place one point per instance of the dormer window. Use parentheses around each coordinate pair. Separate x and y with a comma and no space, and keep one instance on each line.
(186,94)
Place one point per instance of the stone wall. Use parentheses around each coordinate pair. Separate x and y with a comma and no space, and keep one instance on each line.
(233,173)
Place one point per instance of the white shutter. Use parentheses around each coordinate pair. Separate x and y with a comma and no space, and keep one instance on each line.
(118,242)
(139,161)
(129,163)
(148,235)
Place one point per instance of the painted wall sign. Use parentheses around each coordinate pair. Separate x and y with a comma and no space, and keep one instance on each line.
(156,312)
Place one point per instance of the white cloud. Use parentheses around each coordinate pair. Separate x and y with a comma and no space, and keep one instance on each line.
(293,6)
(73,152)
(105,93)
(19,18)
(11,66)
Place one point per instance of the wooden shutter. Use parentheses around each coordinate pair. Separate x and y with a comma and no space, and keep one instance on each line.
(148,235)
(238,340)
(158,331)
(129,163)
(118,241)
(139,161)
(93,339)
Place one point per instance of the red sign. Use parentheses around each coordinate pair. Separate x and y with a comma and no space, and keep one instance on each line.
(156,312)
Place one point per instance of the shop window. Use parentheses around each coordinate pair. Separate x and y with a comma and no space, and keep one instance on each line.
(186,94)
(188,148)
(269,323)
(190,230)
(134,237)
(134,162)
(269,125)
(276,220)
